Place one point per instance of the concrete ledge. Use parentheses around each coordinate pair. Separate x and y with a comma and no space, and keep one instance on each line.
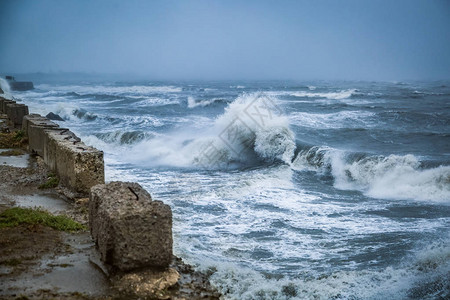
(16,112)
(130,230)
(78,166)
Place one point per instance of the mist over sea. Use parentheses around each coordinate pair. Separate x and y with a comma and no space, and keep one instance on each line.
(283,190)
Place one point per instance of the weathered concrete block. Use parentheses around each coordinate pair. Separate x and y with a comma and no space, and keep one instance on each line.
(16,112)
(130,229)
(78,166)
(34,125)
(6,102)
(1,104)
(36,120)
(37,138)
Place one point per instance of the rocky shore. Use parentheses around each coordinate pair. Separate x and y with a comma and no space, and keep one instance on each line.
(41,257)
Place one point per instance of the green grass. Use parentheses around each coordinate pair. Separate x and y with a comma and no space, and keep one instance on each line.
(15,139)
(16,216)
(51,182)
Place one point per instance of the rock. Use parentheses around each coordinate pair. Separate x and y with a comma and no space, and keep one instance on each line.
(131,230)
(1,91)
(147,284)
(55,117)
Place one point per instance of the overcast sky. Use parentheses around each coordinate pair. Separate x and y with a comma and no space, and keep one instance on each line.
(362,40)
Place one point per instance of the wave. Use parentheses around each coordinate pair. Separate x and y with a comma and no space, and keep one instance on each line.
(338,95)
(124,137)
(342,119)
(192,103)
(423,275)
(4,85)
(386,177)
(112,90)
(239,137)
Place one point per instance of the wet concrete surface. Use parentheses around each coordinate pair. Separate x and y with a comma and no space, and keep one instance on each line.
(19,161)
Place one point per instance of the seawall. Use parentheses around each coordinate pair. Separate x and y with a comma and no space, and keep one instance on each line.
(132,232)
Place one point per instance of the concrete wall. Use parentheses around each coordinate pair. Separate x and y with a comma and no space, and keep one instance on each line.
(131,230)
(78,166)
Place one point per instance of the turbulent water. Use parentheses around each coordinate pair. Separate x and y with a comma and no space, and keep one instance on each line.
(284,190)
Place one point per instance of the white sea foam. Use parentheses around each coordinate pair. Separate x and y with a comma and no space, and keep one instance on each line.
(112,90)
(236,136)
(4,85)
(338,95)
(423,275)
(386,177)
(342,119)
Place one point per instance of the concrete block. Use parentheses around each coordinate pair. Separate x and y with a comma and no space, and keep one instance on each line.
(36,120)
(36,137)
(6,102)
(1,104)
(131,230)
(78,166)
(16,112)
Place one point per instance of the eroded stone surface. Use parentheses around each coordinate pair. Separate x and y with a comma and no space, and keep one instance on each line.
(130,229)
(147,284)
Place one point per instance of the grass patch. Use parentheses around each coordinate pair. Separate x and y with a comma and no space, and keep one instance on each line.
(52,182)
(15,139)
(13,152)
(16,216)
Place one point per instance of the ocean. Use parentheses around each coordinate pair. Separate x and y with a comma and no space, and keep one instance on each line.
(283,189)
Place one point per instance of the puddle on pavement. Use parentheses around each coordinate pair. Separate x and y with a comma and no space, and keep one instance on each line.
(50,203)
(66,273)
(19,161)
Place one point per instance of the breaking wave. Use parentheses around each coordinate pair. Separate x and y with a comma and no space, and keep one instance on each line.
(192,103)
(124,137)
(386,177)
(238,137)
(338,95)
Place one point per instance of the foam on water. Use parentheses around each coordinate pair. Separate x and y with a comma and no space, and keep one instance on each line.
(236,136)
(112,90)
(338,95)
(343,119)
(192,103)
(384,177)
(268,216)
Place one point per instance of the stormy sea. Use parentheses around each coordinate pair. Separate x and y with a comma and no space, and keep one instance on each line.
(280,189)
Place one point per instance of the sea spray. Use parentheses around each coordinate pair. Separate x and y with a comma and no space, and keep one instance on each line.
(238,137)
(4,85)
